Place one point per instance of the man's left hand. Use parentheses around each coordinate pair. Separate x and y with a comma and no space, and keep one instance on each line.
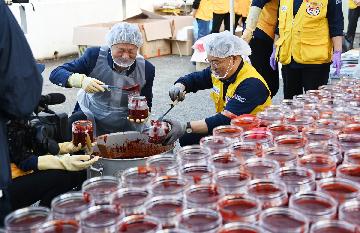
(337,62)
(176,132)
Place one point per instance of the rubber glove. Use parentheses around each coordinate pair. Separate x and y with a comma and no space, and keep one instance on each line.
(176,132)
(90,85)
(273,62)
(337,62)
(69,147)
(177,92)
(251,22)
(66,162)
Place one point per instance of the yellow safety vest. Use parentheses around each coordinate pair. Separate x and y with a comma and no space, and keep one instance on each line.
(305,37)
(16,172)
(221,6)
(247,71)
(242,7)
(268,18)
(352,4)
(205,11)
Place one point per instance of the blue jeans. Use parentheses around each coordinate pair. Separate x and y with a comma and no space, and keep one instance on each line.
(203,28)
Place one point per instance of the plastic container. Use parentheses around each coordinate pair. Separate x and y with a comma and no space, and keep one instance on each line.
(138,108)
(231,182)
(196,174)
(68,206)
(59,226)
(340,189)
(332,124)
(98,190)
(224,161)
(79,131)
(323,165)
(351,129)
(174,230)
(350,212)
(283,156)
(166,209)
(260,168)
(315,205)
(164,164)
(329,148)
(239,208)
(246,121)
(282,129)
(270,193)
(260,136)
(130,200)
(103,218)
(168,186)
(297,179)
(140,177)
(283,220)
(200,220)
(193,155)
(269,117)
(319,135)
(352,157)
(26,220)
(139,224)
(157,131)
(307,112)
(246,150)
(228,131)
(349,141)
(216,144)
(300,121)
(332,226)
(293,143)
(202,196)
(350,172)
(237,227)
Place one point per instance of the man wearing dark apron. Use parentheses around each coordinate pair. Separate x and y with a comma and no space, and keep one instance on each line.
(116,64)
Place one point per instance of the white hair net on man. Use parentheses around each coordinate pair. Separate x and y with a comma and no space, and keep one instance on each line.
(124,33)
(225,44)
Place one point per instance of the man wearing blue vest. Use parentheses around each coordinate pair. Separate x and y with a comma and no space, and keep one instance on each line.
(237,88)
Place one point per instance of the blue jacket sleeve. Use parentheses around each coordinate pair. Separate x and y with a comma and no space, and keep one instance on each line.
(31,163)
(83,65)
(197,80)
(259,3)
(335,18)
(248,95)
(149,77)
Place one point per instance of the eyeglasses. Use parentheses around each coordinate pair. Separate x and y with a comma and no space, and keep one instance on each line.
(214,64)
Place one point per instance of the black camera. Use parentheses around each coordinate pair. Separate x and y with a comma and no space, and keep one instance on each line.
(40,133)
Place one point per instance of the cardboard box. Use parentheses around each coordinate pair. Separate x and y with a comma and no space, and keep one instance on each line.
(183,47)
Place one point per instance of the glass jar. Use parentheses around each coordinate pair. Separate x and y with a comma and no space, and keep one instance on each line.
(349,211)
(233,181)
(300,121)
(164,208)
(315,205)
(235,227)
(138,108)
(140,177)
(169,186)
(307,112)
(157,131)
(228,131)
(333,226)
(297,179)
(216,144)
(340,189)
(79,131)
(174,230)
(283,220)
(291,142)
(193,155)
(319,135)
(164,164)
(350,172)
(335,115)
(97,190)
(282,129)
(246,150)
(139,223)
(224,161)
(196,174)
(260,168)
(130,200)
(352,157)
(329,148)
(351,129)
(246,121)
(270,193)
(349,141)
(260,136)
(284,157)
(26,220)
(269,117)
(59,226)
(202,196)
(239,208)
(102,218)
(292,104)
(200,220)
(332,124)
(68,206)
(323,165)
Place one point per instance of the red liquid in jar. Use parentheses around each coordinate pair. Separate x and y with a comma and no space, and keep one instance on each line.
(239,230)
(167,187)
(130,199)
(79,131)
(338,189)
(313,205)
(28,221)
(102,188)
(352,215)
(264,189)
(197,175)
(333,230)
(295,142)
(60,226)
(71,204)
(164,209)
(351,171)
(138,114)
(198,220)
(354,159)
(205,193)
(284,221)
(158,131)
(133,88)
(101,217)
(138,227)
(281,157)
(235,210)
(232,179)
(318,163)
(259,169)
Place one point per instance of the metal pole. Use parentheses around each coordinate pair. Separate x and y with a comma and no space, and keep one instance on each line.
(232,16)
(124,9)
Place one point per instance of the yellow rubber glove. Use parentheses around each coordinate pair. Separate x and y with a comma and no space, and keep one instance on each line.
(69,147)
(90,85)
(66,162)
(251,22)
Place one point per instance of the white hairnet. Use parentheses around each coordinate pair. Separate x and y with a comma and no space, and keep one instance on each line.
(225,44)
(124,33)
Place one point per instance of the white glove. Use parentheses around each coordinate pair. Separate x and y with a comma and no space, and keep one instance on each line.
(66,162)
(69,147)
(90,85)
(251,23)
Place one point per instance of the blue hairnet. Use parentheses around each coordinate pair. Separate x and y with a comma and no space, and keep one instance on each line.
(124,33)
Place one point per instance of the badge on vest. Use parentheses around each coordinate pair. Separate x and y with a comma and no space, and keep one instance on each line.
(313,8)
(216,90)
(283,8)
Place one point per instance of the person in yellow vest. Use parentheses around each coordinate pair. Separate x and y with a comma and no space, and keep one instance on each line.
(260,33)
(353,16)
(310,38)
(241,9)
(221,14)
(203,13)
(237,88)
